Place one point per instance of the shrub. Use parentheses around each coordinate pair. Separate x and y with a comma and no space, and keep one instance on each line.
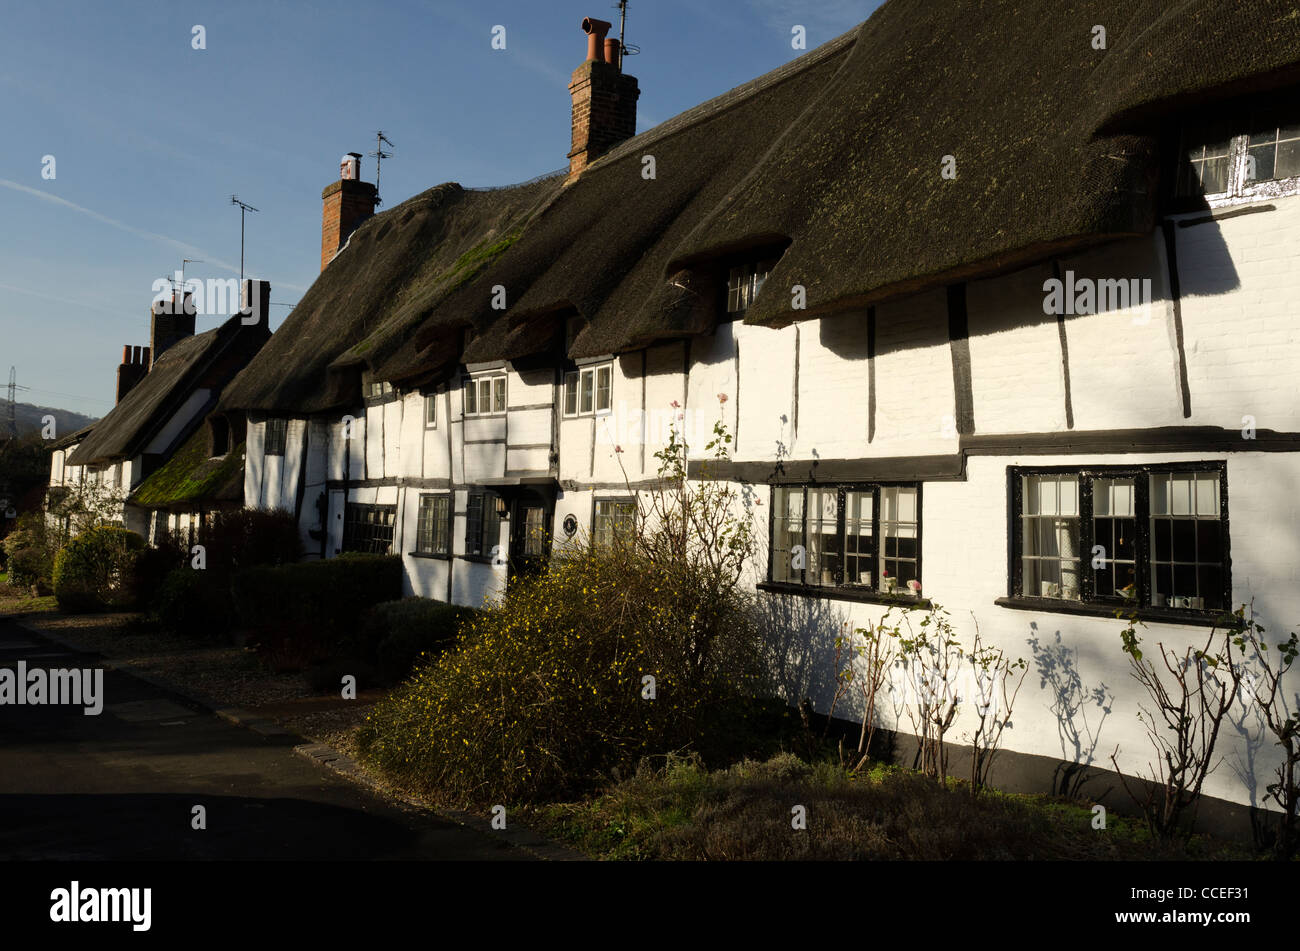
(31,548)
(546,693)
(242,538)
(96,570)
(192,603)
(308,611)
(395,633)
(153,566)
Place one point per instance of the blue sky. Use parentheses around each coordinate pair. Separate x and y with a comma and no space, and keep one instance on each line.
(151,137)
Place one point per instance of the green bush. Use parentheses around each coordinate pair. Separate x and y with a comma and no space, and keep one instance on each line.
(154,565)
(30,549)
(394,634)
(192,603)
(544,695)
(96,570)
(242,538)
(300,613)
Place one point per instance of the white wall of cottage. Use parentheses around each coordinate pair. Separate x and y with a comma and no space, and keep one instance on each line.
(801,393)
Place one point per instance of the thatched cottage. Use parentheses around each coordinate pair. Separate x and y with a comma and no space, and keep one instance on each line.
(1003,299)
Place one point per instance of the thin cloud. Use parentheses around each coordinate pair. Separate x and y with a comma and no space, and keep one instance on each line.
(824,19)
(121,225)
(58,300)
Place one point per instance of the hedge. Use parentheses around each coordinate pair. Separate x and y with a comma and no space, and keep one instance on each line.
(303,612)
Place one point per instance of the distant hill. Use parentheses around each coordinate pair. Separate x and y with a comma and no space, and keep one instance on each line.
(29,419)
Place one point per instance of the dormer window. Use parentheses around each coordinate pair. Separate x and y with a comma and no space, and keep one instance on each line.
(744,283)
(220,436)
(378,389)
(485,395)
(1226,160)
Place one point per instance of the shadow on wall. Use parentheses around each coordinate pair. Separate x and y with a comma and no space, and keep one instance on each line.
(1080,709)
(799,640)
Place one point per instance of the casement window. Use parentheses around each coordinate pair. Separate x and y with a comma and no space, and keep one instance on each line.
(378,389)
(482,525)
(1256,155)
(431,411)
(860,539)
(613,522)
(589,391)
(433,529)
(744,282)
(369,528)
(276,432)
(485,395)
(1147,536)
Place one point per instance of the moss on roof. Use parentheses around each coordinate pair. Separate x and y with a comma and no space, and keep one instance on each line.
(190,476)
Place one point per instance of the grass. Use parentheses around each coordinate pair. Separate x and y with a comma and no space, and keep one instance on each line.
(15,601)
(683,811)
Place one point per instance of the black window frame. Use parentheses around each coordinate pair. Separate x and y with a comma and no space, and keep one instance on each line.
(362,528)
(480,512)
(839,591)
(1089,602)
(423,550)
(277,436)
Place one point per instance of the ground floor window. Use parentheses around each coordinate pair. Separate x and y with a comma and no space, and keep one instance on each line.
(369,528)
(483,524)
(613,522)
(433,532)
(1149,536)
(863,538)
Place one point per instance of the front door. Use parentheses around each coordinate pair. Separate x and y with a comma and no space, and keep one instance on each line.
(530,536)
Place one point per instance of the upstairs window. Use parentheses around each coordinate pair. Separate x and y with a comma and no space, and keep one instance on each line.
(1150,536)
(744,283)
(485,395)
(378,389)
(431,411)
(276,433)
(589,391)
(220,435)
(863,539)
(1256,155)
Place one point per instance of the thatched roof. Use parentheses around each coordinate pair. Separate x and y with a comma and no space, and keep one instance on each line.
(834,159)
(131,424)
(191,476)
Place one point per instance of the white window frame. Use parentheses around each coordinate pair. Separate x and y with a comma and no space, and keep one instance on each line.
(744,282)
(1241,189)
(574,383)
(491,386)
(430,410)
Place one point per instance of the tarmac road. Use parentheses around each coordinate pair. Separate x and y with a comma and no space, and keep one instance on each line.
(123,784)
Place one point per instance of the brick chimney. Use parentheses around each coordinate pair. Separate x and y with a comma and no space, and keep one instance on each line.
(255,303)
(604,99)
(347,203)
(131,370)
(170,321)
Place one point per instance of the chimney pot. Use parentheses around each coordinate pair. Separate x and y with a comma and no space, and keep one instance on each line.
(611,51)
(596,31)
(126,353)
(350,167)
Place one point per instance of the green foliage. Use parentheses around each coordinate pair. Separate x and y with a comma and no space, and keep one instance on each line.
(304,612)
(241,538)
(395,634)
(190,604)
(96,570)
(30,549)
(545,693)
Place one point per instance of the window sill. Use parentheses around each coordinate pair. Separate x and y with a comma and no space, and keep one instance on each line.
(477,559)
(428,554)
(1159,615)
(844,594)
